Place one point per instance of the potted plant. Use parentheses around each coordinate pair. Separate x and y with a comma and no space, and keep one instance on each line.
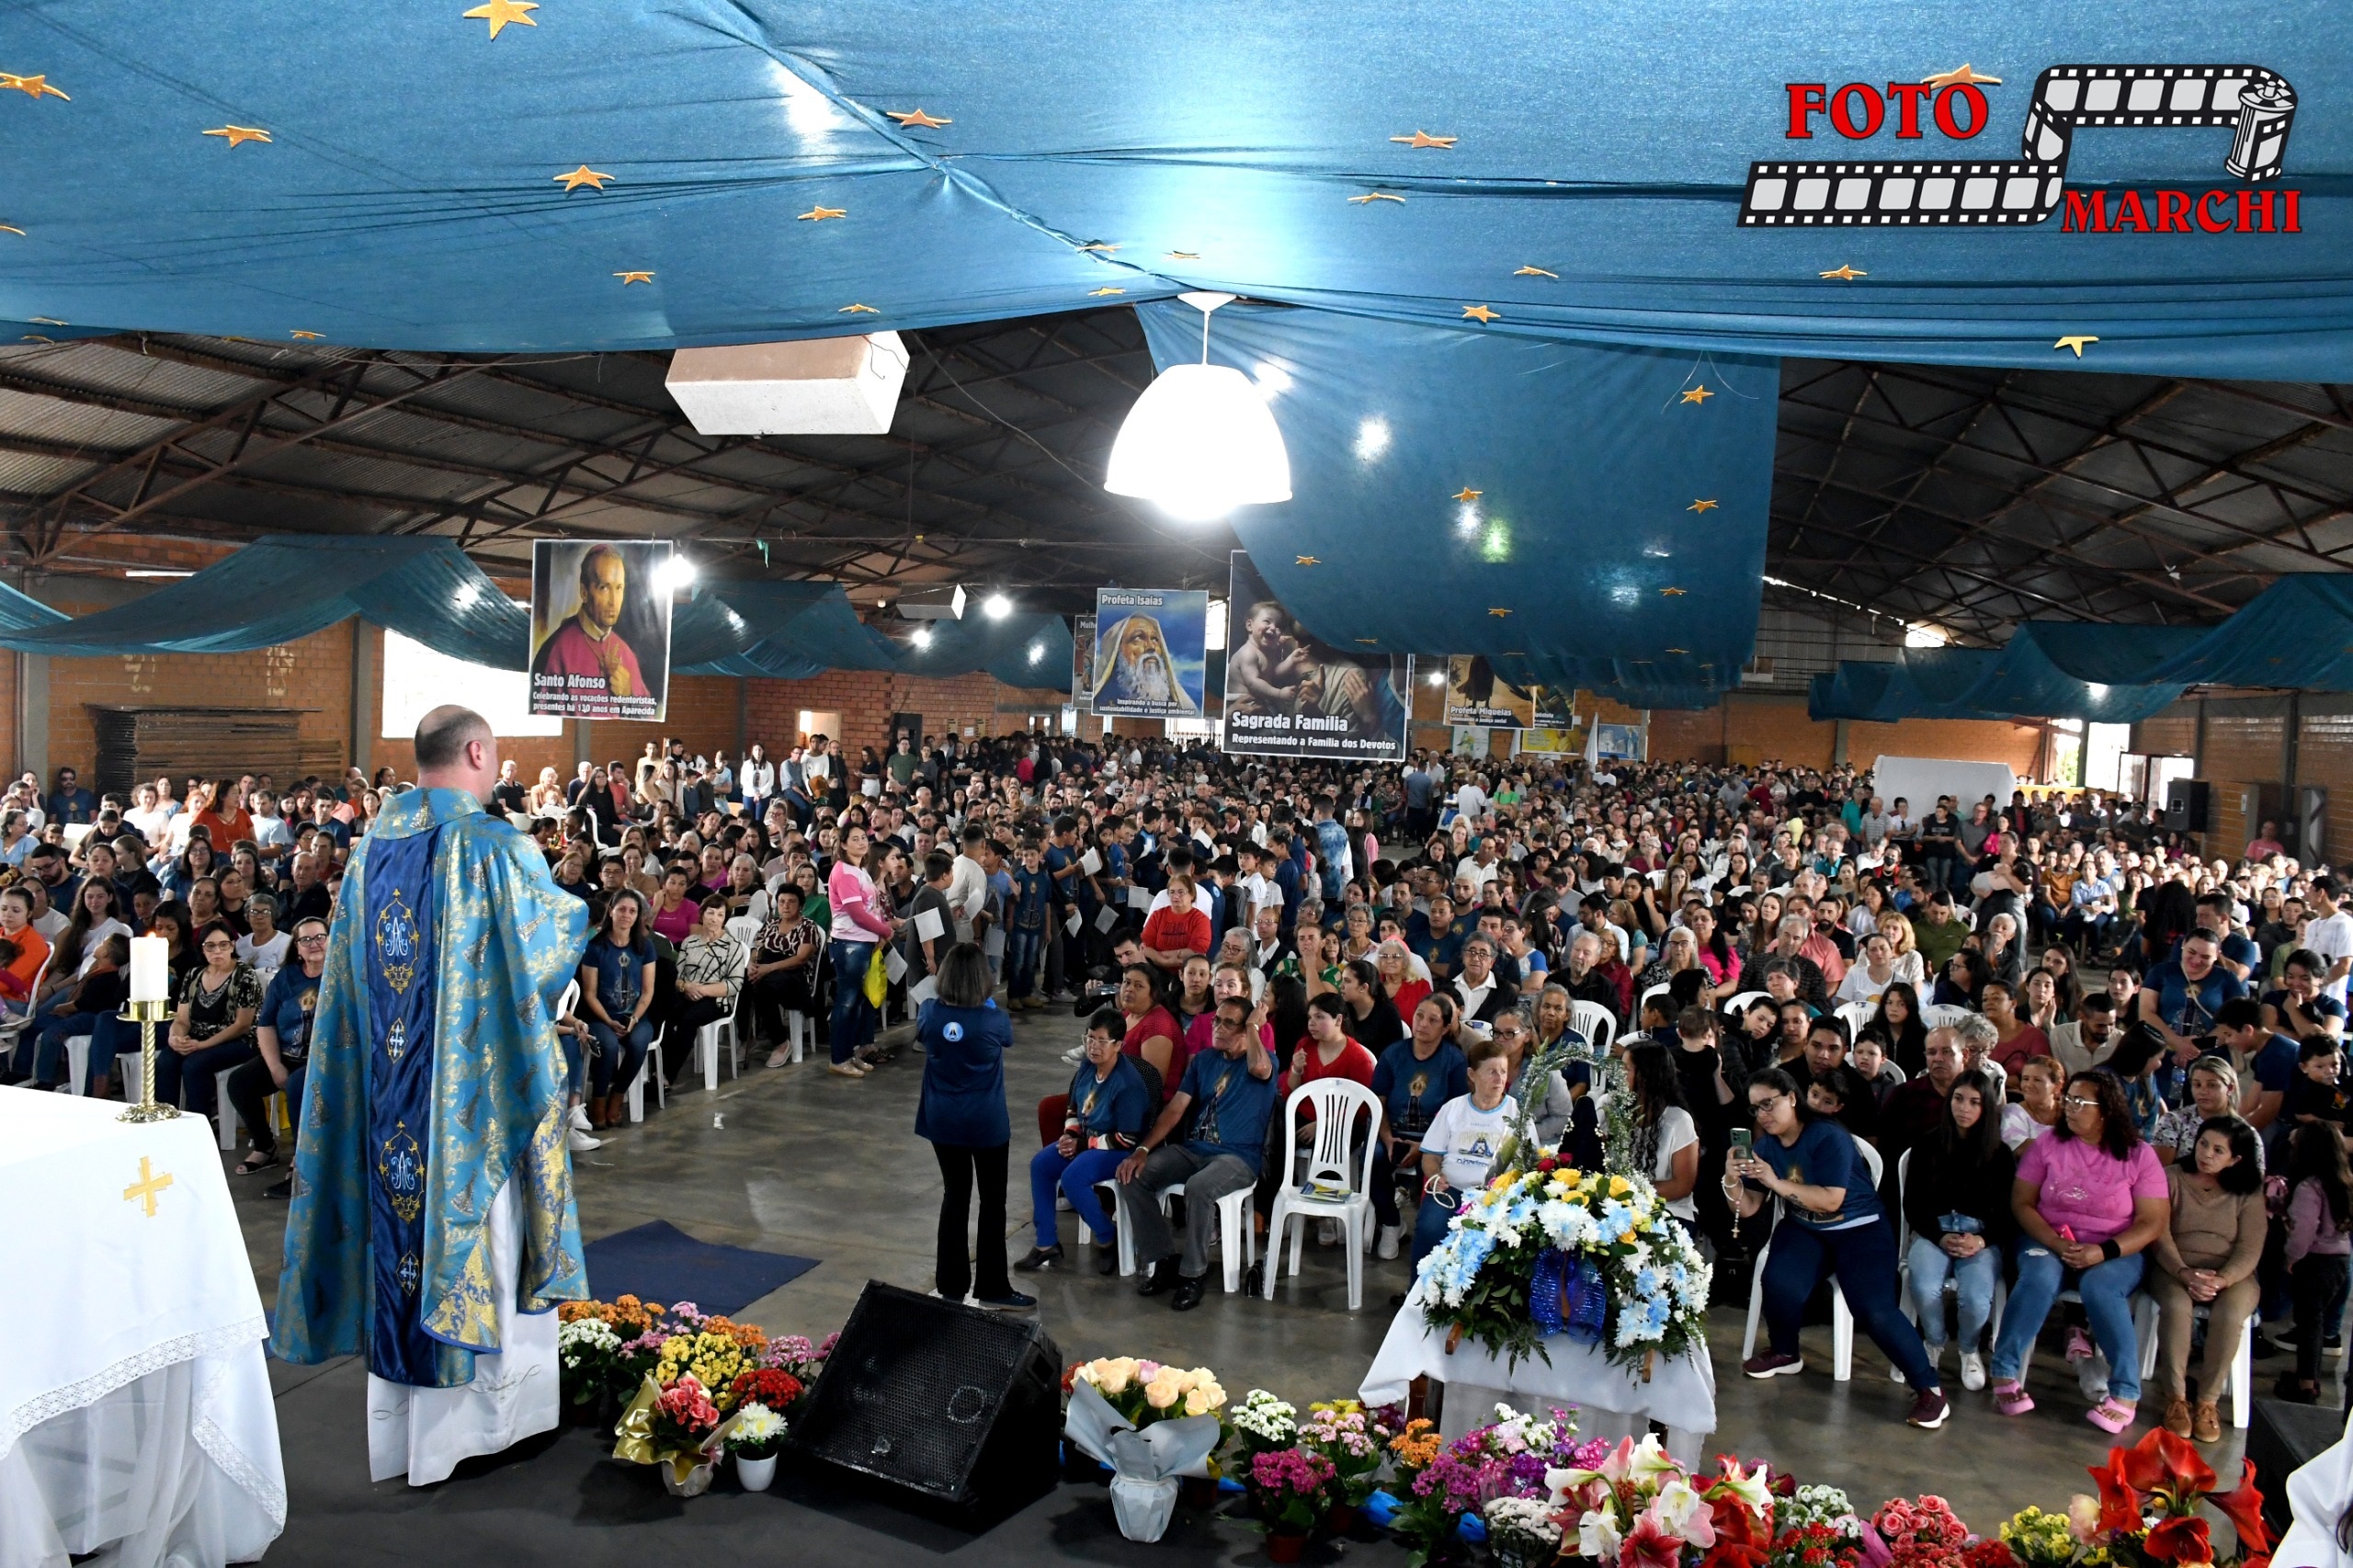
(588,1356)
(754,1438)
(1292,1489)
(1152,1424)
(1520,1532)
(1343,1433)
(1263,1424)
(676,1427)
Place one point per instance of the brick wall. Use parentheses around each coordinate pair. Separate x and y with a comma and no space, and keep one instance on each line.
(1747,730)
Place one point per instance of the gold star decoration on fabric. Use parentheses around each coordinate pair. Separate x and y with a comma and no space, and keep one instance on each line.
(1699,395)
(1844,273)
(1184,255)
(238,134)
(1678,650)
(2075,340)
(1701,507)
(1536,272)
(1467,493)
(629,278)
(299,332)
(858,311)
(1369,641)
(1424,139)
(34,337)
(48,321)
(1962,76)
(1478,313)
(149,1183)
(593,178)
(818,214)
(916,119)
(1375,196)
(1498,611)
(1307,560)
(1098,293)
(501,12)
(34,87)
(1673,593)
(11,228)
(1099,247)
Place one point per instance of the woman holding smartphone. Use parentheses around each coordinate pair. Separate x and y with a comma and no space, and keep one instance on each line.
(1832,1224)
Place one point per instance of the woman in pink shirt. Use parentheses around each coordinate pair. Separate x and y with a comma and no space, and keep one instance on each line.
(2090,1196)
(859,924)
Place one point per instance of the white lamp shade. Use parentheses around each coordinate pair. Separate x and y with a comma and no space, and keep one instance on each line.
(1200,442)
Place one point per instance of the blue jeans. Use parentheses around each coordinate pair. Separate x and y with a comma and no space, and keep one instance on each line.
(1973,1279)
(197,1068)
(576,1064)
(1863,1261)
(2107,1289)
(1021,953)
(853,1016)
(619,1056)
(1076,1177)
(49,1052)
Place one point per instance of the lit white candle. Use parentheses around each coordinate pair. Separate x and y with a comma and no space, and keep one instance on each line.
(151,975)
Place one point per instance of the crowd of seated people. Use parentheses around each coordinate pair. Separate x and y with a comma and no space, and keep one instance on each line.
(2074,1049)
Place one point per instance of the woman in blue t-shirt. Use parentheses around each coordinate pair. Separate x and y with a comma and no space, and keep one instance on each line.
(963,1036)
(616,992)
(1109,1106)
(1831,1224)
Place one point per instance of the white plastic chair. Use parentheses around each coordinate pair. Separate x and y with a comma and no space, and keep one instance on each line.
(1942,1016)
(1855,1015)
(2242,1365)
(1740,999)
(77,1063)
(1842,1318)
(1235,1235)
(1644,999)
(1596,1023)
(2144,1331)
(707,1043)
(650,1068)
(1338,1102)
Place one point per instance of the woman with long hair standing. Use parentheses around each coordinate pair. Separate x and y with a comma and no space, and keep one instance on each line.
(962,1115)
(860,925)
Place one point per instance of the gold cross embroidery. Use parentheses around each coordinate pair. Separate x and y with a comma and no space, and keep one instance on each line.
(147,1185)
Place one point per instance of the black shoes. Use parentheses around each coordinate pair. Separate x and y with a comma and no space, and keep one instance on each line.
(1158,1278)
(279,1189)
(1107,1257)
(1040,1258)
(1187,1295)
(1011,1301)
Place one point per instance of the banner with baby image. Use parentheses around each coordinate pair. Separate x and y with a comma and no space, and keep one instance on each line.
(1150,651)
(600,629)
(1289,694)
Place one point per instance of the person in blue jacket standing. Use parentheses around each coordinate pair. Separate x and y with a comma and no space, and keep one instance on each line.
(962,1115)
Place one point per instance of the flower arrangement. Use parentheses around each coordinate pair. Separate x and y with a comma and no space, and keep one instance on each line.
(1521,1532)
(757,1434)
(1797,1507)
(1264,1423)
(1637,1508)
(1554,1248)
(2145,1516)
(684,1417)
(1145,1391)
(1292,1488)
(779,1391)
(1509,1457)
(1916,1533)
(587,1360)
(1350,1438)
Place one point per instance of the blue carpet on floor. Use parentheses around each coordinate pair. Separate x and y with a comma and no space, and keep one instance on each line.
(658,1262)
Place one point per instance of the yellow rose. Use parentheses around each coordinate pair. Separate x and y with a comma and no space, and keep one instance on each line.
(1619,1187)
(1160,1394)
(1110,1375)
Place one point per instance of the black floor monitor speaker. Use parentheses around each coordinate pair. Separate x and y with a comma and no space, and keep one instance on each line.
(950,1410)
(2279,1438)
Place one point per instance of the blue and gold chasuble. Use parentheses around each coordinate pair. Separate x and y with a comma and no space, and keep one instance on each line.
(435,1079)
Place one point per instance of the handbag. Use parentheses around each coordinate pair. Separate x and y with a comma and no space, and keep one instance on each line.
(878,979)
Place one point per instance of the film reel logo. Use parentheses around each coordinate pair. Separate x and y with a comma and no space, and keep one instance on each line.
(2258,104)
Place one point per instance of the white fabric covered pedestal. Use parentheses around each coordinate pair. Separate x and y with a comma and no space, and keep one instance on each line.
(1611,1401)
(423,1433)
(136,1420)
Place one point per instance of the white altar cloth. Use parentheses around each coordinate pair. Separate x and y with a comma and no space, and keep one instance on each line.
(1611,1401)
(136,1419)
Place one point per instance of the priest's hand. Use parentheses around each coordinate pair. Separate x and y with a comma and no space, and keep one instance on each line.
(615,670)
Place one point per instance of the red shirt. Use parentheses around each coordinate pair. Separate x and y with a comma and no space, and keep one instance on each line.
(1410,995)
(2014,1052)
(1161,1023)
(1170,932)
(1307,1065)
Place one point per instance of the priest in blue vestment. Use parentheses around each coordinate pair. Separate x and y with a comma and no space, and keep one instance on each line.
(433,1228)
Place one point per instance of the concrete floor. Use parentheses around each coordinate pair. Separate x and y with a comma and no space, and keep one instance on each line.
(799,1161)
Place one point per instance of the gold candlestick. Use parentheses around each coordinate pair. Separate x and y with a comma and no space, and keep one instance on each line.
(147,1015)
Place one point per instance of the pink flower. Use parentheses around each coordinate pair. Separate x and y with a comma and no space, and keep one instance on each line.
(1650,1544)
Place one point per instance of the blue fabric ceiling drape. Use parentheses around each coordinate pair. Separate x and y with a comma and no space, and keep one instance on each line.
(1585,517)
(1023,649)
(1580,171)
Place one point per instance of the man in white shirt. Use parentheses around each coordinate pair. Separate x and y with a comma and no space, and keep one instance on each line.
(272,838)
(146,816)
(968,885)
(1471,800)
(2330,934)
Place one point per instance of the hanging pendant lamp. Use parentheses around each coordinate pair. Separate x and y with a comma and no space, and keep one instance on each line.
(1200,442)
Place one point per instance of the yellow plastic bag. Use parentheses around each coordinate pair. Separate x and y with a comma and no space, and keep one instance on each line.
(878,979)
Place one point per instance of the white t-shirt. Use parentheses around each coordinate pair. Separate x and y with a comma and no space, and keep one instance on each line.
(1470,801)
(269,958)
(1468,870)
(97,938)
(151,821)
(2332,939)
(1677,1132)
(53,924)
(1467,1140)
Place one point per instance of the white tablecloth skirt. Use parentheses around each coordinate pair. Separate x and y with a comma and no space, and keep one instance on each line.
(423,1433)
(179,1466)
(1611,1400)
